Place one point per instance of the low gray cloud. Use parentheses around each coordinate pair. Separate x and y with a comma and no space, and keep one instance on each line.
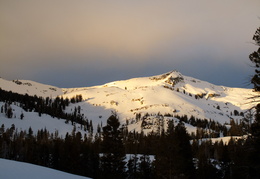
(83,43)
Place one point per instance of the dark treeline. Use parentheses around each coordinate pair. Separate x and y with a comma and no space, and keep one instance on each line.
(72,154)
(205,128)
(212,129)
(170,153)
(104,156)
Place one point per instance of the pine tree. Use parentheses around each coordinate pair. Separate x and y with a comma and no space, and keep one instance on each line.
(132,163)
(21,116)
(205,168)
(255,127)
(174,156)
(145,170)
(184,158)
(9,112)
(165,155)
(254,145)
(255,58)
(112,161)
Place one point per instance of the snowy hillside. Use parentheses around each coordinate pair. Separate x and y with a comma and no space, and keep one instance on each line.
(12,169)
(33,120)
(169,94)
(30,87)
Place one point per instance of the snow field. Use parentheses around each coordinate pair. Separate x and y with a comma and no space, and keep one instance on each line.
(12,169)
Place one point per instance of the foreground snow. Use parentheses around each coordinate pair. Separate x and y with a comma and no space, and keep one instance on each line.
(12,169)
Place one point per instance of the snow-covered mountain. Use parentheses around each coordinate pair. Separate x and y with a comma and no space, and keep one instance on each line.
(169,94)
(30,87)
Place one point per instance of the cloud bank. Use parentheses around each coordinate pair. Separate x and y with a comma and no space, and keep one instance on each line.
(81,43)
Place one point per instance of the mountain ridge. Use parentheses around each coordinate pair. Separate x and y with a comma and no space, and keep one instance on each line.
(170,93)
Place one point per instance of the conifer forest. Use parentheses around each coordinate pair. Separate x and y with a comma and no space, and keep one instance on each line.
(115,152)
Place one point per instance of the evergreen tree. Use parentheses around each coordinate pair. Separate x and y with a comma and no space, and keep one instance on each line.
(112,161)
(132,163)
(9,111)
(174,156)
(205,167)
(21,116)
(255,58)
(254,146)
(145,169)
(165,155)
(184,165)
(255,127)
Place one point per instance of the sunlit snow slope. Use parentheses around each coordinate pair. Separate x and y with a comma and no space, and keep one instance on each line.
(169,93)
(30,87)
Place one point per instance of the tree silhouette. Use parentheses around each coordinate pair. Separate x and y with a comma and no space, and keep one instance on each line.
(255,58)
(112,161)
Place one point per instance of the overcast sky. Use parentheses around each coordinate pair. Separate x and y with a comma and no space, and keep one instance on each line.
(84,43)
